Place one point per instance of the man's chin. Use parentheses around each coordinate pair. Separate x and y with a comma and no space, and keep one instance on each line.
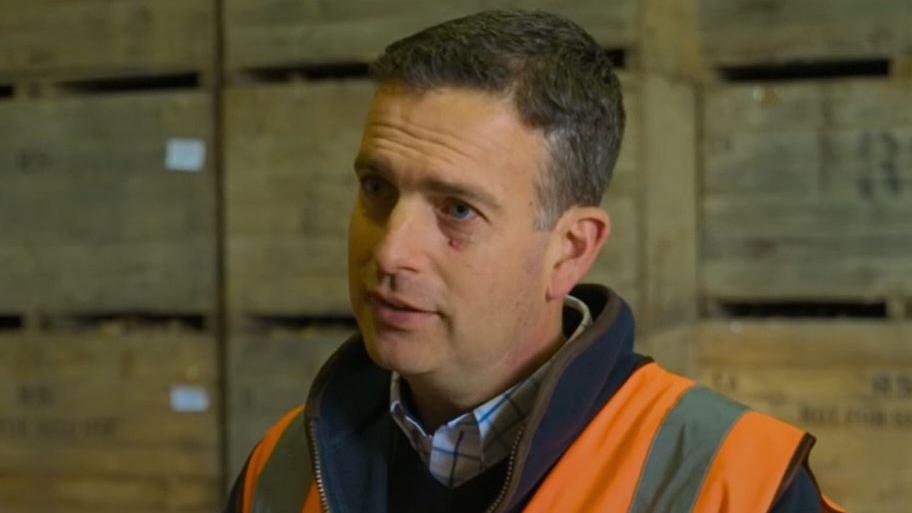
(397,352)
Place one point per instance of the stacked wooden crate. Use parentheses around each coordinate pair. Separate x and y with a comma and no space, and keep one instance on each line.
(808,183)
(108,419)
(294,107)
(806,210)
(808,191)
(108,366)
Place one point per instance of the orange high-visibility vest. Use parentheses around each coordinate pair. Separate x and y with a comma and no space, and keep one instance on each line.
(661,445)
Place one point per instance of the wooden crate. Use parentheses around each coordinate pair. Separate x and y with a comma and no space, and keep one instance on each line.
(807,191)
(79,39)
(278,33)
(849,383)
(107,204)
(109,421)
(739,32)
(290,186)
(269,374)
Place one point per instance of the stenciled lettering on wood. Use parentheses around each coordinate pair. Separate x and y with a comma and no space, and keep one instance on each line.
(33,160)
(841,416)
(59,428)
(723,381)
(35,399)
(888,385)
(35,395)
(881,151)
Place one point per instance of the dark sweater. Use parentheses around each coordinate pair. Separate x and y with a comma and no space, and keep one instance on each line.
(412,488)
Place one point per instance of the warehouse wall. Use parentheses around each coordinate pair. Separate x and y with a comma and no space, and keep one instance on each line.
(174,188)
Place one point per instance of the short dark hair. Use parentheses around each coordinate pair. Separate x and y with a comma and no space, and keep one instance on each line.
(558,76)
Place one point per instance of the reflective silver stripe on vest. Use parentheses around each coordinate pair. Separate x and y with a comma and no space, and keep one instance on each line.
(285,480)
(683,451)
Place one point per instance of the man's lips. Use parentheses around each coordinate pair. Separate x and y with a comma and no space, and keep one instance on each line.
(398,313)
(394,302)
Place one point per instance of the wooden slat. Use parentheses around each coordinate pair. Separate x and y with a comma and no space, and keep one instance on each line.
(808,190)
(88,420)
(282,33)
(77,39)
(87,493)
(669,203)
(848,383)
(738,32)
(871,103)
(626,178)
(92,219)
(669,39)
(269,374)
(793,250)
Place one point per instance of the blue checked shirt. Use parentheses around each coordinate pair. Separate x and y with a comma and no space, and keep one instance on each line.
(474,441)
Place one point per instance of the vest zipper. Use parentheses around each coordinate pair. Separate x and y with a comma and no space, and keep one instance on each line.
(315,459)
(509,475)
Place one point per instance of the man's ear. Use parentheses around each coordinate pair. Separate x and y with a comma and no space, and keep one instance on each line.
(577,238)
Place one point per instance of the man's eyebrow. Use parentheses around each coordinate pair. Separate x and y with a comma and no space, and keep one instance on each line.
(364,162)
(462,191)
(437,185)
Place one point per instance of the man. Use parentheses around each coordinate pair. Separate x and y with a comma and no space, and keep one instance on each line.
(483,378)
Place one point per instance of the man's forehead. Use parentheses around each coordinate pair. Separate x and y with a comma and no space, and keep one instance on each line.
(462,116)
(395,95)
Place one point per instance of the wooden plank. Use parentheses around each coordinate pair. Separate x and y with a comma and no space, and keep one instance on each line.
(82,493)
(849,383)
(90,412)
(78,39)
(807,189)
(279,33)
(772,217)
(795,250)
(669,39)
(785,163)
(738,32)
(626,179)
(669,204)
(871,103)
(766,107)
(794,139)
(268,376)
(92,218)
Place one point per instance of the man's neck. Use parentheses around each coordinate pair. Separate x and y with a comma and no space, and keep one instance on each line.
(437,401)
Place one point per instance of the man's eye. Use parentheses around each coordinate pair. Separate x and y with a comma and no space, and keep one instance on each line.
(459,211)
(373,186)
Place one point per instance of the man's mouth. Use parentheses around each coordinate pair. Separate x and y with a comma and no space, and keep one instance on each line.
(398,313)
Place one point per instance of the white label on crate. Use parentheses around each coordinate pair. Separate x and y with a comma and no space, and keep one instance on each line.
(185,155)
(188,398)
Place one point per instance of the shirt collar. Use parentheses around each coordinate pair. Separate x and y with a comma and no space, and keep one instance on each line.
(465,446)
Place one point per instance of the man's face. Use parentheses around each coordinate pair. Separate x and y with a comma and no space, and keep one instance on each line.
(447,273)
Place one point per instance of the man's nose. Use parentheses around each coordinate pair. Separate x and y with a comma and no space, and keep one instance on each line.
(398,249)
